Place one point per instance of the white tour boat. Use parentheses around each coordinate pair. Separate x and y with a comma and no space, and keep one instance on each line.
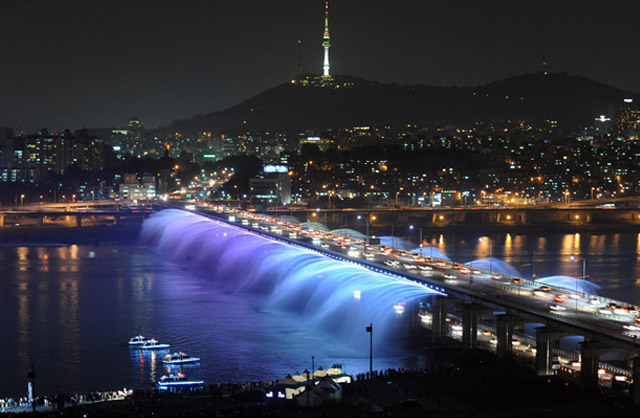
(154,345)
(179,358)
(177,381)
(139,340)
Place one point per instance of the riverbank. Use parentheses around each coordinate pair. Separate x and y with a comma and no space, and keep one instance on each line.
(463,384)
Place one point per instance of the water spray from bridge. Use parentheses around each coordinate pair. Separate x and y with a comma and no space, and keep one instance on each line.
(292,279)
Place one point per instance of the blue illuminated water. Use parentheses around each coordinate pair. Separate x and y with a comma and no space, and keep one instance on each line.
(71,309)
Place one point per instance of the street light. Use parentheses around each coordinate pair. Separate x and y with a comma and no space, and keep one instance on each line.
(369,329)
(490,254)
(420,229)
(393,237)
(584,271)
(583,277)
(534,274)
(367,234)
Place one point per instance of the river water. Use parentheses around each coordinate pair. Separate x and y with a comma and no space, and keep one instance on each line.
(70,310)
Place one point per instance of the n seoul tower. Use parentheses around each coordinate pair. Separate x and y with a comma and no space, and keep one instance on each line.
(326,42)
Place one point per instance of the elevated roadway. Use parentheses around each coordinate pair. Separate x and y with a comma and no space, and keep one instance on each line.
(605,324)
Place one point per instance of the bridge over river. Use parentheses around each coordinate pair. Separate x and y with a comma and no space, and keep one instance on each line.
(479,296)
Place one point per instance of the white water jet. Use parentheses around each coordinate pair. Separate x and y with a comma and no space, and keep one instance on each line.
(571,283)
(495,265)
(339,297)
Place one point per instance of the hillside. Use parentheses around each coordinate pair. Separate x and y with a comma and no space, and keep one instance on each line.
(572,101)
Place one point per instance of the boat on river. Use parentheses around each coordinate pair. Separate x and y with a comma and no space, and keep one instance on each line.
(138,340)
(154,345)
(179,358)
(177,381)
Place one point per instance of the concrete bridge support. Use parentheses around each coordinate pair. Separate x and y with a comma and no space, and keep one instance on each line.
(78,220)
(469,325)
(589,368)
(545,337)
(438,320)
(1,221)
(40,221)
(635,386)
(504,334)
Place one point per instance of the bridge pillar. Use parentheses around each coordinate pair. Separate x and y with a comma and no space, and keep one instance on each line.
(504,334)
(469,326)
(635,386)
(589,368)
(40,219)
(545,337)
(78,220)
(438,320)
(116,219)
(1,221)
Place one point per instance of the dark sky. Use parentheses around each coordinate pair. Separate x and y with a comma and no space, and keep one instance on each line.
(70,64)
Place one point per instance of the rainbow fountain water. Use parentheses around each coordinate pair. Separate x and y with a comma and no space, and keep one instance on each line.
(339,297)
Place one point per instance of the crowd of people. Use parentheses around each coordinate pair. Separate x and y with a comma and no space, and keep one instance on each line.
(61,401)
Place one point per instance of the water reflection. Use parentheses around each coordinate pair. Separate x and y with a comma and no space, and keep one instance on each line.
(74,319)
(148,364)
(611,259)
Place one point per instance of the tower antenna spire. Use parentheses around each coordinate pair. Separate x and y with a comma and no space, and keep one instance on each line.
(545,63)
(299,66)
(326,41)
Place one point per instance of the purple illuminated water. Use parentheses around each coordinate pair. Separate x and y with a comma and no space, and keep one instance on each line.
(251,309)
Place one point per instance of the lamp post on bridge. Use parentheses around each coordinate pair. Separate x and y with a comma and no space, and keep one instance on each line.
(583,277)
(420,229)
(520,283)
(393,237)
(490,254)
(367,233)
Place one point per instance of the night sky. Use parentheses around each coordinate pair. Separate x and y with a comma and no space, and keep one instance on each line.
(74,64)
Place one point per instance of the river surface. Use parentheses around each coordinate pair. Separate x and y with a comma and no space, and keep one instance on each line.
(70,310)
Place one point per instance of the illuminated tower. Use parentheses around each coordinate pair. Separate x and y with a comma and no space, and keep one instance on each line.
(326,42)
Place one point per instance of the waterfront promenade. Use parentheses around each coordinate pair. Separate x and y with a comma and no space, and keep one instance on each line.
(458,384)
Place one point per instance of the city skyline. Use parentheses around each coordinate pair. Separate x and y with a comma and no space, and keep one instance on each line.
(74,67)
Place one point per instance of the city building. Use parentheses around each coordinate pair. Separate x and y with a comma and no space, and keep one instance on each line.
(137,188)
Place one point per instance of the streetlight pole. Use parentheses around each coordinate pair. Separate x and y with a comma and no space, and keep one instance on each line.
(370,331)
(520,284)
(584,276)
(367,223)
(368,232)
(420,229)
(490,257)
(584,273)
(393,237)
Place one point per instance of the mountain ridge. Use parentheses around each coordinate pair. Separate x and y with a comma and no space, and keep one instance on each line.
(349,101)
